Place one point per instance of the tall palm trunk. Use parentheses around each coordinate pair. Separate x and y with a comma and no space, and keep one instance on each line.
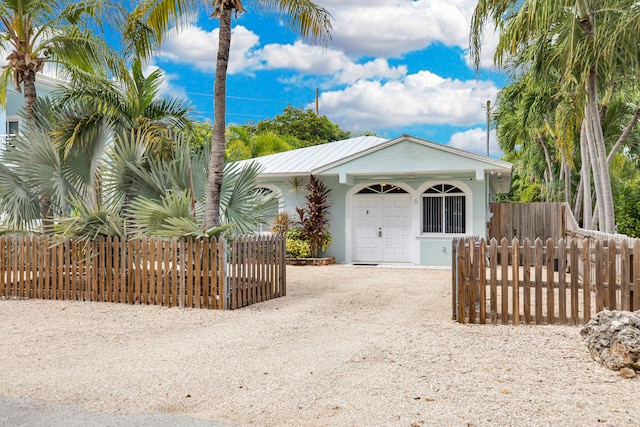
(567,181)
(587,221)
(625,134)
(30,95)
(547,157)
(216,163)
(595,165)
(607,215)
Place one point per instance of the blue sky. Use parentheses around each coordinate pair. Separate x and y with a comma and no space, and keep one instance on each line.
(393,67)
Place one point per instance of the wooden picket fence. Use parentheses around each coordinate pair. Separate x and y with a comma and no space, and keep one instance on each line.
(172,273)
(567,282)
(256,270)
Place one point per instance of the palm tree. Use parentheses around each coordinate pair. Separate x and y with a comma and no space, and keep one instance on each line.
(38,180)
(37,32)
(242,144)
(106,188)
(303,16)
(167,197)
(591,42)
(130,103)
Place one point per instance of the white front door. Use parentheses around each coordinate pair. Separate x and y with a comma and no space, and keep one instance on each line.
(382,228)
(396,227)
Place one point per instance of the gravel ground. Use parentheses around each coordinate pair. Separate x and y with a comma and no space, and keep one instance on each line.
(346,346)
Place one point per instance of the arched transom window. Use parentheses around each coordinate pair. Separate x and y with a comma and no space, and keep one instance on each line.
(443,209)
(382,189)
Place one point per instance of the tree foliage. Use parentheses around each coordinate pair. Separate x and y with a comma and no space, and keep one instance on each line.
(571,64)
(303,125)
(628,209)
(61,33)
(242,144)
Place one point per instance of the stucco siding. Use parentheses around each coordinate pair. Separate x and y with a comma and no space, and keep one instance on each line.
(405,157)
(412,164)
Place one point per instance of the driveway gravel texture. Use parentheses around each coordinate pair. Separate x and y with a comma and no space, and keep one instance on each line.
(347,346)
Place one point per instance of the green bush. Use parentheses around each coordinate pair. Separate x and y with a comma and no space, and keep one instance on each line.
(627,206)
(297,245)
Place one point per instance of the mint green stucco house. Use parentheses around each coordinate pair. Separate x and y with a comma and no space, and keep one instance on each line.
(401,200)
(11,115)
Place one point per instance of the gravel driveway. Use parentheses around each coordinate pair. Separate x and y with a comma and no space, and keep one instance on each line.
(347,346)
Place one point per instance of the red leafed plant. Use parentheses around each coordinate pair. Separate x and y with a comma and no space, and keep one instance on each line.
(313,217)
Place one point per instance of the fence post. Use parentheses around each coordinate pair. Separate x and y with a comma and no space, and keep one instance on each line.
(586,279)
(461,261)
(515,279)
(504,286)
(493,294)
(181,276)
(283,263)
(225,291)
(612,280)
(454,279)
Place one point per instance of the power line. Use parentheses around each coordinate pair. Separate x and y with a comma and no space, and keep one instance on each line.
(235,114)
(239,97)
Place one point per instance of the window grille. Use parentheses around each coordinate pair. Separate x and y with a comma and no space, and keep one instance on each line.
(443,209)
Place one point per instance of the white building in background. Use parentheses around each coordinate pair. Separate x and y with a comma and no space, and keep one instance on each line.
(11,117)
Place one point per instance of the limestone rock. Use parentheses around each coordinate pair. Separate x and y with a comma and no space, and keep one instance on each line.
(613,339)
(627,373)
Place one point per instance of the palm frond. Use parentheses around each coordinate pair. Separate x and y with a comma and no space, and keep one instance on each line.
(89,222)
(160,217)
(241,205)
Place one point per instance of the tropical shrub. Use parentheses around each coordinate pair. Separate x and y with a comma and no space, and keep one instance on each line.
(313,218)
(628,210)
(297,245)
(281,223)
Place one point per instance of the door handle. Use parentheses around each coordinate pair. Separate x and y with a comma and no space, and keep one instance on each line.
(380,232)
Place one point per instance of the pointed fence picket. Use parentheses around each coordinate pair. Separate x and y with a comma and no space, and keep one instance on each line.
(563,283)
(190,273)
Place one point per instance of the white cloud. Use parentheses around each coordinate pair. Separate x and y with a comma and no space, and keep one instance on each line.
(369,93)
(316,60)
(421,98)
(391,28)
(360,28)
(303,57)
(475,141)
(199,48)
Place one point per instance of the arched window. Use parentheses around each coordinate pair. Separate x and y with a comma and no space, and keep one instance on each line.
(382,189)
(443,209)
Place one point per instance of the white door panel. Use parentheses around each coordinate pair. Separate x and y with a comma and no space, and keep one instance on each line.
(368,220)
(382,228)
(396,228)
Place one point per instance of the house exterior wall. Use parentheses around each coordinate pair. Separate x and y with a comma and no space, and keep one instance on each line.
(412,164)
(426,249)
(435,250)
(15,101)
(406,157)
(291,199)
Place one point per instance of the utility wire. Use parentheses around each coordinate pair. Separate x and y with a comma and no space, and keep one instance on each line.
(239,97)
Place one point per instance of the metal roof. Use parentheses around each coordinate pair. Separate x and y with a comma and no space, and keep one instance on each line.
(320,158)
(304,161)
